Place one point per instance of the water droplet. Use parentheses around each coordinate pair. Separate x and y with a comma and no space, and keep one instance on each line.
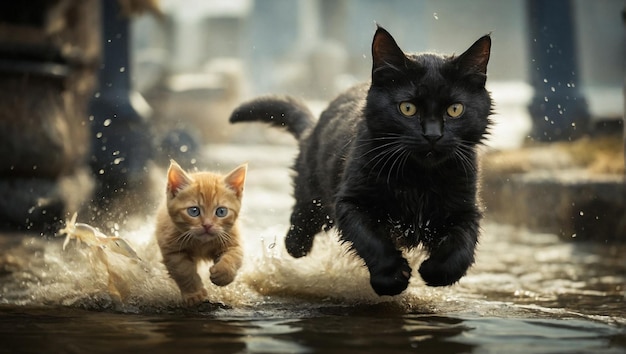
(552,89)
(101,172)
(122,69)
(184,148)
(96,95)
(118,160)
(436,16)
(581,213)
(545,80)
(107,122)
(99,135)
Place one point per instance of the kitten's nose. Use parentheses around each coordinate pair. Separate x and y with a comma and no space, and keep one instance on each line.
(207,227)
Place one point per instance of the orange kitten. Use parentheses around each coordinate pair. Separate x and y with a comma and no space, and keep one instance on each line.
(199,222)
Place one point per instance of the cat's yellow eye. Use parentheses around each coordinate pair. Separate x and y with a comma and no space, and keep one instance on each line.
(455,110)
(221,212)
(193,211)
(407,109)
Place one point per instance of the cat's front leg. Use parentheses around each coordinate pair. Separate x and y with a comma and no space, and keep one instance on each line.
(183,269)
(369,237)
(450,257)
(225,268)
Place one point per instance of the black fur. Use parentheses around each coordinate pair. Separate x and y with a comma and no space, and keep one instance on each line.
(386,180)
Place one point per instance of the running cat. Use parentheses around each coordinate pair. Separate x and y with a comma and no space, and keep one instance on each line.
(392,163)
(199,222)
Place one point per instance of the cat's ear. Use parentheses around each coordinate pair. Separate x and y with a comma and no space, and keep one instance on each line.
(177,179)
(475,59)
(236,178)
(385,52)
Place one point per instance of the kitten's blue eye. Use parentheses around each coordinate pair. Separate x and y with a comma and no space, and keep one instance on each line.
(407,109)
(221,212)
(455,110)
(193,211)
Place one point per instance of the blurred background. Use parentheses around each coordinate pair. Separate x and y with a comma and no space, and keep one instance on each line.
(222,52)
(98,92)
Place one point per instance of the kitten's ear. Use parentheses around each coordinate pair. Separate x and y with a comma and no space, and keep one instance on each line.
(475,59)
(236,178)
(385,52)
(177,179)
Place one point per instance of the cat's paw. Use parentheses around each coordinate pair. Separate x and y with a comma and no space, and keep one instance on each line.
(298,245)
(191,299)
(391,280)
(222,274)
(446,271)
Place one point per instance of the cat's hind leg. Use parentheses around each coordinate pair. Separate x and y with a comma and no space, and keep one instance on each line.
(307,219)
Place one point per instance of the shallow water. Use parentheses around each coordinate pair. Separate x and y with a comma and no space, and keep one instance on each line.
(527,293)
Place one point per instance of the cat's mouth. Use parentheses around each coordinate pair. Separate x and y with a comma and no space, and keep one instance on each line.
(431,157)
(205,236)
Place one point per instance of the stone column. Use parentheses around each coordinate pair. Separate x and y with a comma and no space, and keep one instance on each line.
(558,108)
(48,57)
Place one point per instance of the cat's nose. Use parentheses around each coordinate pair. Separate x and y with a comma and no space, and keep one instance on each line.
(432,130)
(432,138)
(207,227)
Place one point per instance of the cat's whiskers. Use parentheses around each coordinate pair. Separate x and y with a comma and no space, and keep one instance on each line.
(393,153)
(184,239)
(224,238)
(386,150)
(397,156)
(378,147)
(462,155)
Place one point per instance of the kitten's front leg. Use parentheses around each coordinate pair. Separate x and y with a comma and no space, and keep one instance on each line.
(451,257)
(225,269)
(389,271)
(183,269)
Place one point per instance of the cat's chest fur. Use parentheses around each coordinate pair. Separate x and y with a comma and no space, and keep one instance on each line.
(413,214)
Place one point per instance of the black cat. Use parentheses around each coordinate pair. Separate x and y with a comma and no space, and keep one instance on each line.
(392,163)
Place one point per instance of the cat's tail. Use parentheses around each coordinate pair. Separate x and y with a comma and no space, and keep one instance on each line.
(279,111)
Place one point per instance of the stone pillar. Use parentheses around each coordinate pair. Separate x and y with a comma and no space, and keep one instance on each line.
(120,135)
(558,108)
(48,58)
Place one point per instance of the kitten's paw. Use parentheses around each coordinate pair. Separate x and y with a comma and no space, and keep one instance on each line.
(391,280)
(298,245)
(221,274)
(191,299)
(447,271)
